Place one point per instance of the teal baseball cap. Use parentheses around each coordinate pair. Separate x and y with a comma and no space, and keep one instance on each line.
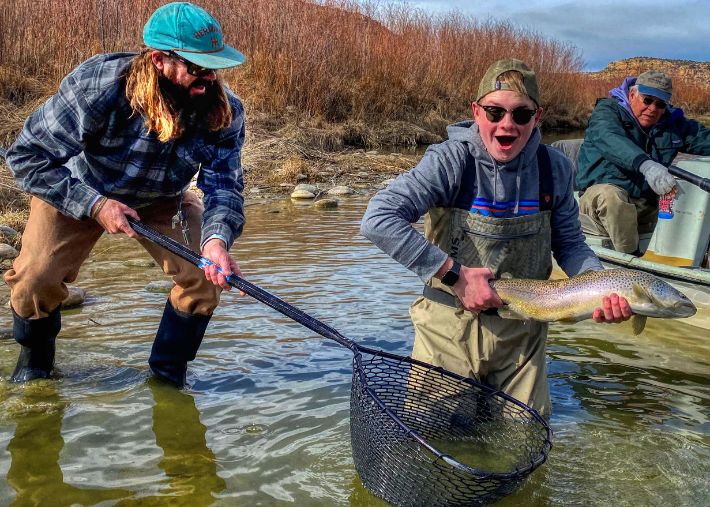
(191,32)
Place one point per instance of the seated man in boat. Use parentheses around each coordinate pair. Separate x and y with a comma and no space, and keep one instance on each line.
(123,137)
(496,201)
(622,165)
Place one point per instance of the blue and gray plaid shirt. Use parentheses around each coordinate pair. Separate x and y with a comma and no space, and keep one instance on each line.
(85,142)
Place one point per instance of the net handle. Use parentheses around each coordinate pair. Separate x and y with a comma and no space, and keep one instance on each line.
(249,288)
(280,306)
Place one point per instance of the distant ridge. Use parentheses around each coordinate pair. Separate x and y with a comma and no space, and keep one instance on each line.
(686,70)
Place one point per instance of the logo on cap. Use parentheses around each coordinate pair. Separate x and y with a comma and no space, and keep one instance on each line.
(209,29)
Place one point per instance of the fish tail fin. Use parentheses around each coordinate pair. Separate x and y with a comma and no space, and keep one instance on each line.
(638,323)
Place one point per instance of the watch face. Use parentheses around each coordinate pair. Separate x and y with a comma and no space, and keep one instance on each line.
(452,275)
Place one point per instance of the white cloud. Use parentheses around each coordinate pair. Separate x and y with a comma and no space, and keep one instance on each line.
(603,30)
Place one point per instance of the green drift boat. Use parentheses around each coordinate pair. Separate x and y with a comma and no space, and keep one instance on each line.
(679,248)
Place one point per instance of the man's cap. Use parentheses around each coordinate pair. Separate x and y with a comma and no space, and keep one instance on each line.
(490,82)
(658,84)
(191,32)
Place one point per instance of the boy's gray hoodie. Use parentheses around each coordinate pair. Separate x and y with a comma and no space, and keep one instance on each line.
(512,189)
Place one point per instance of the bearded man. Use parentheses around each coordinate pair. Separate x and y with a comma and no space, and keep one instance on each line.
(123,137)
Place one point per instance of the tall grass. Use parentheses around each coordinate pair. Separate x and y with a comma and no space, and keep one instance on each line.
(337,59)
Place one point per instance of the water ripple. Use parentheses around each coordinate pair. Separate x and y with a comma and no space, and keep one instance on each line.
(265,420)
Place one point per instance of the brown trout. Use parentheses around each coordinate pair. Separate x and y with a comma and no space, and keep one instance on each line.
(574,299)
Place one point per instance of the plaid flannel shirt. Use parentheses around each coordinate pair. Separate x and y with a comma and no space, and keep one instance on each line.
(85,141)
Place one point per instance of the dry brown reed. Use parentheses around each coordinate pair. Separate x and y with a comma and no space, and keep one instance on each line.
(364,63)
(339,60)
(319,76)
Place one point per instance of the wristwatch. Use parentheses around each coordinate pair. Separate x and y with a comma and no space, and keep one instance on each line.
(452,275)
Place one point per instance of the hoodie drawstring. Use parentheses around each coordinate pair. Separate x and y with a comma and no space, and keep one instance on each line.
(517,187)
(495,181)
(517,184)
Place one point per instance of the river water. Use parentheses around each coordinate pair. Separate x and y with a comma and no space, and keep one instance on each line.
(266,421)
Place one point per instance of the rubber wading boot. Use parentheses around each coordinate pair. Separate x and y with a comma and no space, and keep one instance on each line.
(176,342)
(37,338)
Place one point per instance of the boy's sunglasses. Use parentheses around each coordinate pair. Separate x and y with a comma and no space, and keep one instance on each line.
(192,68)
(521,115)
(660,104)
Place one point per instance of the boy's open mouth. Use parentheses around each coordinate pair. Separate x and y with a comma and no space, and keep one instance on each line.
(506,141)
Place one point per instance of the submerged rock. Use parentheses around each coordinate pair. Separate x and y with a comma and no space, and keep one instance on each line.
(340,190)
(140,263)
(307,187)
(75,298)
(326,204)
(161,286)
(302,194)
(8,233)
(7,252)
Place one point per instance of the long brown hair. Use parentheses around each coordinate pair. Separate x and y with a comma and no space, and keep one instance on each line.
(146,99)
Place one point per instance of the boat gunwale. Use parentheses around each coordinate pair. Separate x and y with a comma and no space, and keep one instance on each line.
(695,275)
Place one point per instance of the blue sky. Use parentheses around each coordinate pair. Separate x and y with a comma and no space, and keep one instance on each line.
(603,30)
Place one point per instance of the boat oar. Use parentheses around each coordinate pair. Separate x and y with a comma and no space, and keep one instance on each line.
(703,183)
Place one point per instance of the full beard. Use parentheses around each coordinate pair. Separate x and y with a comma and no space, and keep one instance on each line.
(193,113)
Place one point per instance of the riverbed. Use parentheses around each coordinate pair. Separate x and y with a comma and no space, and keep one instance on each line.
(266,420)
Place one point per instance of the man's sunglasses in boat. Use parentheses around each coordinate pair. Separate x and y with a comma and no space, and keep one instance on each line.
(521,115)
(648,100)
(192,68)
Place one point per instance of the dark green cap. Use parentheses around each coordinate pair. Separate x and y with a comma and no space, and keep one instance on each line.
(490,82)
(658,84)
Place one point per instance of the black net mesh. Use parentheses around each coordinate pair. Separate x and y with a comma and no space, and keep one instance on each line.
(423,436)
(420,435)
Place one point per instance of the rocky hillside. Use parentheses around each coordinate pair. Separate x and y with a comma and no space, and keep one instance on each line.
(686,70)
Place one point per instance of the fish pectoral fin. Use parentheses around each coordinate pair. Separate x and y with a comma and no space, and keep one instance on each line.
(640,293)
(638,323)
(506,312)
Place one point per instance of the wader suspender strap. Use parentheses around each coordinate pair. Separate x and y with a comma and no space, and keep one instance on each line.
(544,167)
(546,186)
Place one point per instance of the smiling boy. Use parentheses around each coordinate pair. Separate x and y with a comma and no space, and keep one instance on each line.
(496,202)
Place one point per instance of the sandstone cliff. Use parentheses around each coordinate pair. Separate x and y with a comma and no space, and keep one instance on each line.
(685,70)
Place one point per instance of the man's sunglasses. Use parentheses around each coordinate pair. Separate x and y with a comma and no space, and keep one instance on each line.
(521,115)
(660,104)
(192,68)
